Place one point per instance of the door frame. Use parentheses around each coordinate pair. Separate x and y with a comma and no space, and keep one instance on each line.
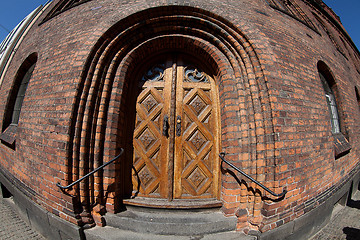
(133,80)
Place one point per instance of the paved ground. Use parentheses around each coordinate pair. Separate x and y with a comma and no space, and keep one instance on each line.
(12,227)
(344,225)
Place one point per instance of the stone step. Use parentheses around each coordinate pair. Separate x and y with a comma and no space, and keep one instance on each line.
(171,222)
(111,233)
(139,223)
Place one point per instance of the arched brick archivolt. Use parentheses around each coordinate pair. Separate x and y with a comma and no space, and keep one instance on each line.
(97,131)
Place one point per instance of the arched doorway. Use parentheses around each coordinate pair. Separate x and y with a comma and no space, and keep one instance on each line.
(104,112)
(176,136)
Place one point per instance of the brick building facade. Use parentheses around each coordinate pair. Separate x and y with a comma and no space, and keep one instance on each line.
(273,84)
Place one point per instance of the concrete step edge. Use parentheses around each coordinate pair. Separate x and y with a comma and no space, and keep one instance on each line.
(110,233)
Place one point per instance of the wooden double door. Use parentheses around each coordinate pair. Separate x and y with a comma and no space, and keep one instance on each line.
(176,135)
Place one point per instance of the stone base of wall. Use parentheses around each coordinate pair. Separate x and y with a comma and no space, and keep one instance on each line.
(46,223)
(53,227)
(310,223)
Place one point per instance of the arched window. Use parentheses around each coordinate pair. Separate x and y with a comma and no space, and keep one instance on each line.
(15,101)
(290,8)
(341,144)
(62,6)
(357,97)
(331,102)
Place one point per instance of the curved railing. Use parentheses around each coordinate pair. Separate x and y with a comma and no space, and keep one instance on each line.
(222,155)
(91,173)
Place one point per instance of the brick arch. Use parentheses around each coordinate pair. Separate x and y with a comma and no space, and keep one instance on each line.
(247,129)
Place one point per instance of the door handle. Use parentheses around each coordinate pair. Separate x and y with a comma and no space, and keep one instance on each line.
(178,126)
(166,126)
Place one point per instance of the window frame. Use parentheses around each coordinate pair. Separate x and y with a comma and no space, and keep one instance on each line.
(61,7)
(15,101)
(292,9)
(332,105)
(357,97)
(342,145)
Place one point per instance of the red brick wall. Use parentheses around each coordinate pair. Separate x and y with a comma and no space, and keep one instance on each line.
(275,121)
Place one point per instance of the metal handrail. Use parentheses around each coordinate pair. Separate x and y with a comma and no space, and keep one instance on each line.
(221,155)
(90,173)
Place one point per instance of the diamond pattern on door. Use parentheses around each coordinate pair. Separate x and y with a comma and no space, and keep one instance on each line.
(146,139)
(186,159)
(197,178)
(197,140)
(149,145)
(207,160)
(146,176)
(197,181)
(149,102)
(197,104)
(176,138)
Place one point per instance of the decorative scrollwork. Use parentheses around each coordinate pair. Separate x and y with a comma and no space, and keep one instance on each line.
(192,74)
(155,73)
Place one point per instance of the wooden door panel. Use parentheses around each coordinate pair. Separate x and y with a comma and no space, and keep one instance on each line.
(147,142)
(194,176)
(182,164)
(197,175)
(150,146)
(197,123)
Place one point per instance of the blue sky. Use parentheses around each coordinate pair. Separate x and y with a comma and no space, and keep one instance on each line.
(348,11)
(12,12)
